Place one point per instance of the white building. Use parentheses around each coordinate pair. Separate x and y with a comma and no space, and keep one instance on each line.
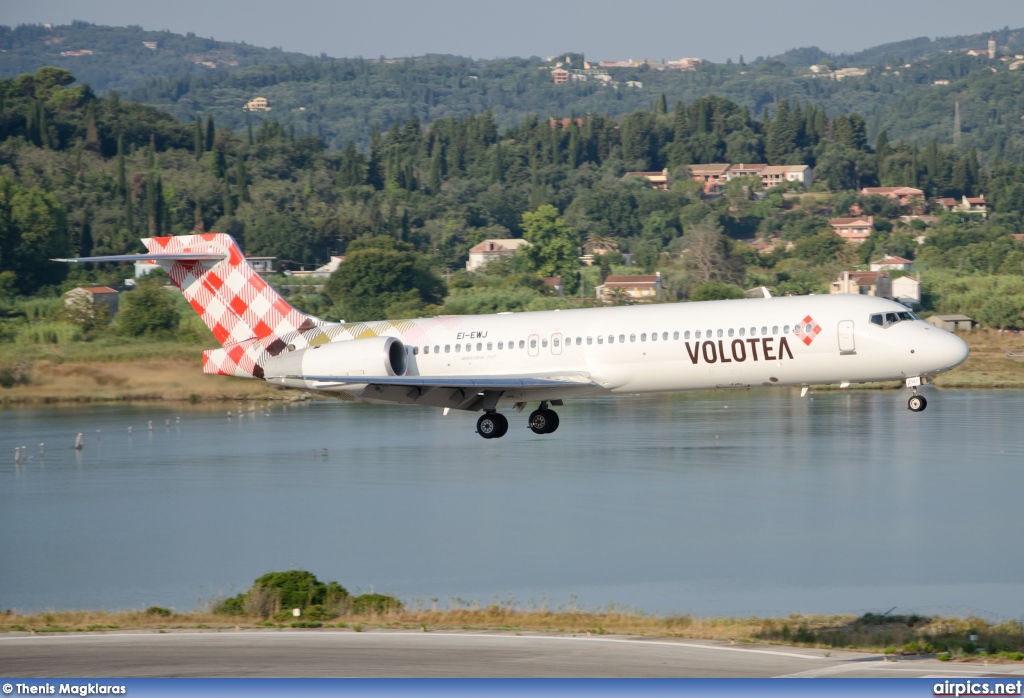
(493,249)
(907,290)
(891,263)
(321,272)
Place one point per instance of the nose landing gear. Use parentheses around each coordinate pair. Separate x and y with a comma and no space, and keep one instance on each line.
(916,403)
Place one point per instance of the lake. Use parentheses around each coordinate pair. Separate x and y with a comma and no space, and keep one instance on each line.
(753,502)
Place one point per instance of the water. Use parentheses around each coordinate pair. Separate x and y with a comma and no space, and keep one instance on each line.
(718,503)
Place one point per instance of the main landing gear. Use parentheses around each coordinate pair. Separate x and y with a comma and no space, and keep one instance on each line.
(493,425)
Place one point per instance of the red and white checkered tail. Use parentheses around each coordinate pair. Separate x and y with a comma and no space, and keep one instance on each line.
(248,317)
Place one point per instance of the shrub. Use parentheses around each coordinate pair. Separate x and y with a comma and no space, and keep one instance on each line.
(49,333)
(376,603)
(158,611)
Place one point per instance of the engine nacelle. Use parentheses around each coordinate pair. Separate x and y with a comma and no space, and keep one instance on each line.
(372,356)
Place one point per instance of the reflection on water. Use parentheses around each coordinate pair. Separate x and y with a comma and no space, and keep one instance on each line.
(717,503)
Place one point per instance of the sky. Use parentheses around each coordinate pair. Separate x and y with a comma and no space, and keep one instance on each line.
(601,29)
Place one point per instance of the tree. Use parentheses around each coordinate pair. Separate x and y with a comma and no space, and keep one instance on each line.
(378,273)
(147,310)
(715,291)
(1003,312)
(554,246)
(33,230)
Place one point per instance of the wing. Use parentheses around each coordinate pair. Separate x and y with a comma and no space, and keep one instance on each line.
(455,392)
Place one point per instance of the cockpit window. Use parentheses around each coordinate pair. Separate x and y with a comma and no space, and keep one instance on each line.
(887,319)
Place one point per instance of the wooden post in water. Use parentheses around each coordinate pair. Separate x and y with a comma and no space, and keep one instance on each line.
(79,443)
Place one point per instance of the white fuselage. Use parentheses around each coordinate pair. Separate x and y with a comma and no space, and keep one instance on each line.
(682,346)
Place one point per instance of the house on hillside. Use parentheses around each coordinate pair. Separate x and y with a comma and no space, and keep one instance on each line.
(554,283)
(864,283)
(94,298)
(974,205)
(854,230)
(261,265)
(907,290)
(632,288)
(257,104)
(891,263)
(908,197)
(659,180)
(712,175)
(773,175)
(493,249)
(560,76)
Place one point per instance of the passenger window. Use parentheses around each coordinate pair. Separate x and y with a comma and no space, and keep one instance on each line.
(490,346)
(764,330)
(731,332)
(447,348)
(743,331)
(632,337)
(719,333)
(501,345)
(437,348)
(415,351)
(807,328)
(654,337)
(785,329)
(533,343)
(590,340)
(458,347)
(479,346)
(544,342)
(664,336)
(579,340)
(708,335)
(555,342)
(611,339)
(622,339)
(686,336)
(696,334)
(775,329)
(522,344)
(600,339)
(426,349)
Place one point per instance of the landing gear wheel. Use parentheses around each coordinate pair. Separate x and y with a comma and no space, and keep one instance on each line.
(543,421)
(916,403)
(492,425)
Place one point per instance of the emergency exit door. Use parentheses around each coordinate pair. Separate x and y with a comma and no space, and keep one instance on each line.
(846,344)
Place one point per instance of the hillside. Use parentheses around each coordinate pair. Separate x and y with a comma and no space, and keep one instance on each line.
(118,58)
(340,99)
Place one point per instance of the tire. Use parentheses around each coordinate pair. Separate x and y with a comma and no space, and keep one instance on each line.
(502,426)
(553,418)
(917,403)
(487,426)
(540,421)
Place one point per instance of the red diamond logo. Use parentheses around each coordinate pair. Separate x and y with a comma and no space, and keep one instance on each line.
(807,330)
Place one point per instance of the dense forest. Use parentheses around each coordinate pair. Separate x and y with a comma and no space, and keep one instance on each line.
(90,175)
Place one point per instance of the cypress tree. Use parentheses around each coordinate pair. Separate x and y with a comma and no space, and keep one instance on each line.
(211,134)
(122,178)
(241,180)
(197,139)
(497,168)
(92,132)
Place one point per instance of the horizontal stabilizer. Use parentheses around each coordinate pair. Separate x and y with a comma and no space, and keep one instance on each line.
(160,257)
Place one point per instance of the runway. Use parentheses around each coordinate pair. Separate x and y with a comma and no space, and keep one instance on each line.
(396,654)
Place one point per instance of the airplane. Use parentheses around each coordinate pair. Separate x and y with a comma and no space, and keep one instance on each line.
(480,363)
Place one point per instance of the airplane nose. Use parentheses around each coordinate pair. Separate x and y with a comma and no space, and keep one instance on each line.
(951,351)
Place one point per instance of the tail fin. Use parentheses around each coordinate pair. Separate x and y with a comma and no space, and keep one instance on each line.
(248,317)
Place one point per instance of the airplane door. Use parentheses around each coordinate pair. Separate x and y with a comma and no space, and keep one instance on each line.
(533,347)
(846,345)
(556,343)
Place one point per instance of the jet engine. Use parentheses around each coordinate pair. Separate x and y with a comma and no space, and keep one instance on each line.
(372,356)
